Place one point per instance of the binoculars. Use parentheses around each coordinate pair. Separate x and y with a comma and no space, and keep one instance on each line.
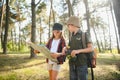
(68,52)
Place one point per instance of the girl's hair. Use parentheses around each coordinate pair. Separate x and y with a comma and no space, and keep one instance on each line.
(54,36)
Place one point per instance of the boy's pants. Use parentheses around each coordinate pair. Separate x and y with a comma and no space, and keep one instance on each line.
(78,72)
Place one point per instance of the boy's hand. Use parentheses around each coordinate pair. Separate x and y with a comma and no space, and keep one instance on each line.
(74,52)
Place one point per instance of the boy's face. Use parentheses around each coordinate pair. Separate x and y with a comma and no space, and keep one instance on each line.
(70,28)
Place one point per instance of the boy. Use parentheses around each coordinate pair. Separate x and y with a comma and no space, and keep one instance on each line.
(78,62)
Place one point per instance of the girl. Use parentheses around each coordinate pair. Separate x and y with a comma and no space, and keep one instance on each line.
(55,44)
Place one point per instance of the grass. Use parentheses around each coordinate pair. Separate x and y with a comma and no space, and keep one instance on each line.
(20,67)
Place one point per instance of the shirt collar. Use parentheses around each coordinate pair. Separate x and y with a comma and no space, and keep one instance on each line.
(78,32)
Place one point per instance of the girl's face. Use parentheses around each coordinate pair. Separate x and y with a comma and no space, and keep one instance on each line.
(71,28)
(57,33)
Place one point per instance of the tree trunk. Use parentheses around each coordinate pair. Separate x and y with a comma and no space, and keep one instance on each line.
(70,9)
(52,11)
(19,23)
(104,39)
(1,15)
(110,48)
(1,20)
(102,46)
(117,39)
(2,39)
(19,44)
(50,20)
(49,24)
(87,15)
(15,43)
(116,6)
(6,28)
(70,12)
(33,28)
(12,38)
(40,31)
(97,39)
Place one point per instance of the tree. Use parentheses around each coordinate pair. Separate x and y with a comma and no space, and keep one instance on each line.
(117,40)
(1,14)
(33,27)
(40,18)
(51,12)
(6,28)
(94,22)
(70,9)
(2,9)
(116,6)
(87,15)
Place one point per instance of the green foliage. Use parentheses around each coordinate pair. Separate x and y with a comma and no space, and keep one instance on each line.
(9,77)
(10,46)
(41,7)
(14,47)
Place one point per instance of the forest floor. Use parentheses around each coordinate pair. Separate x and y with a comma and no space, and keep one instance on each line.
(21,67)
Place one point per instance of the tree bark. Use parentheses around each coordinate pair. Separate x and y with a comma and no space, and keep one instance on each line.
(116,6)
(1,20)
(6,28)
(70,9)
(87,15)
(96,39)
(33,28)
(117,38)
(40,31)
(1,12)
(52,11)
(110,47)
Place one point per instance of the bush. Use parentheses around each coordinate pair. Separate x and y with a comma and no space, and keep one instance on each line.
(15,47)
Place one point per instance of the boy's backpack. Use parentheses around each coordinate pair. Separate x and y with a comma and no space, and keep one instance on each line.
(91,57)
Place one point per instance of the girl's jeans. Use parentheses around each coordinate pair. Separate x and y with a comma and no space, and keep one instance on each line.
(78,72)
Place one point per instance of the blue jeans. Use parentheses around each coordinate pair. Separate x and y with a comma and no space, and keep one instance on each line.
(78,72)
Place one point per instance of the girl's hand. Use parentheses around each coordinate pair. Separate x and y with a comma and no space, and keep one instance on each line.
(55,55)
(64,50)
(36,51)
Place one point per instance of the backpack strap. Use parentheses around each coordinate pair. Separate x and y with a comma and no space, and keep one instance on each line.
(84,40)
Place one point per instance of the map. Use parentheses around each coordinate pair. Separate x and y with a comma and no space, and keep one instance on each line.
(42,49)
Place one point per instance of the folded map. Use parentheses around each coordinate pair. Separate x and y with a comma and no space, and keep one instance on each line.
(42,49)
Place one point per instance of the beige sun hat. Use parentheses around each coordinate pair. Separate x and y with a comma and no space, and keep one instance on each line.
(74,20)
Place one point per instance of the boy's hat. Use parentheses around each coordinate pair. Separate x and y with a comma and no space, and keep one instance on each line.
(74,20)
(57,26)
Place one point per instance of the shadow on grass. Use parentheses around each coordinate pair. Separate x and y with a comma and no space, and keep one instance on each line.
(18,61)
(109,76)
(104,61)
(108,60)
